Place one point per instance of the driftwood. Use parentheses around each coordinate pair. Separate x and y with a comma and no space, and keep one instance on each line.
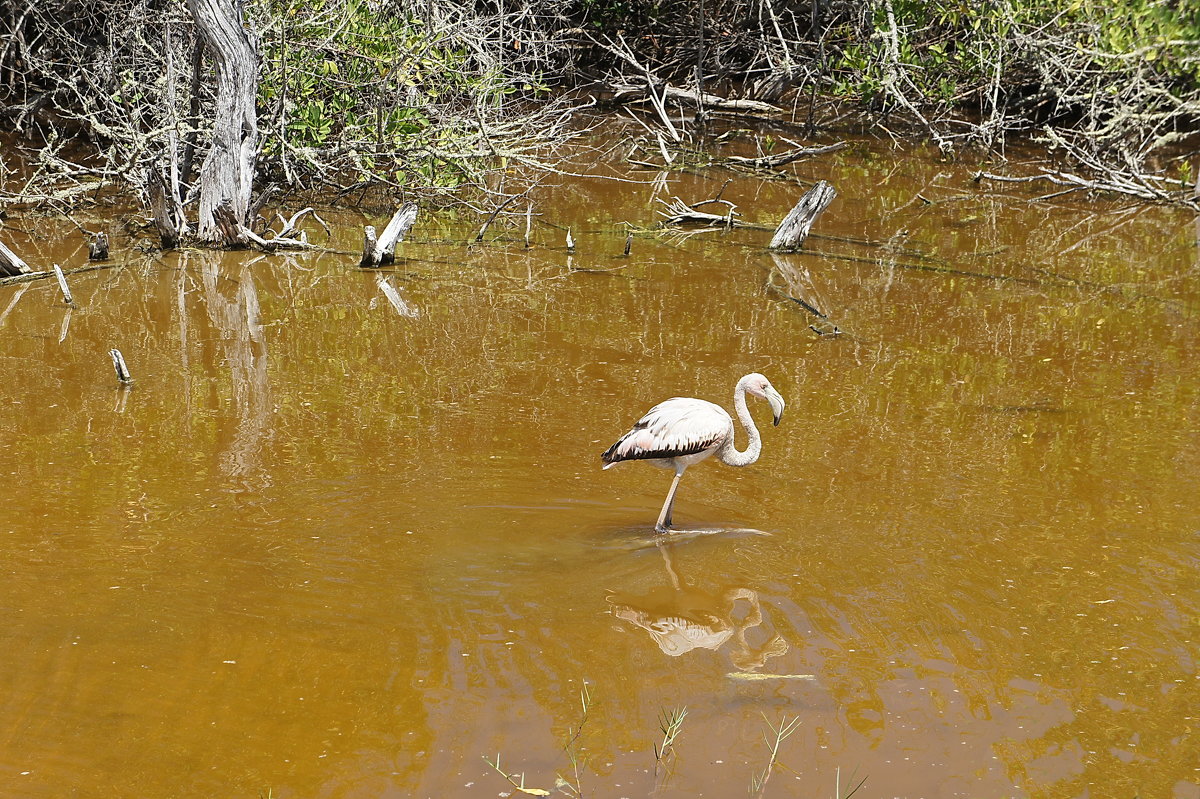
(289,225)
(381,250)
(795,226)
(371,255)
(231,232)
(11,264)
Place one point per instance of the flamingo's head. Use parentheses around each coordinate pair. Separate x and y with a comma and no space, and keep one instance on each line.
(760,386)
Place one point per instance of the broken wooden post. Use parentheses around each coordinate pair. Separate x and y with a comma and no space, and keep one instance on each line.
(98,247)
(62,285)
(628,242)
(377,252)
(11,264)
(119,364)
(795,226)
(528,223)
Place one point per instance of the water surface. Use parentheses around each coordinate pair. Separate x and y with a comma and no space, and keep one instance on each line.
(346,540)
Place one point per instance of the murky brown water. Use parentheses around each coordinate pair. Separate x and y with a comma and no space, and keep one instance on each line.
(331,545)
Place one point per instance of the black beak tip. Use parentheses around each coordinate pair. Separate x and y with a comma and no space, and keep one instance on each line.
(777,418)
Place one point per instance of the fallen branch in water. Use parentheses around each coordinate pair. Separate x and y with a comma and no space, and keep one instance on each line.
(680,213)
(239,235)
(29,277)
(780,159)
(1115,184)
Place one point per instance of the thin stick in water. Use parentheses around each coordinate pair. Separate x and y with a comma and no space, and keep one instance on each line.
(62,284)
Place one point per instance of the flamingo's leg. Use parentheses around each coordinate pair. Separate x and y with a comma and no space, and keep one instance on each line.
(664,518)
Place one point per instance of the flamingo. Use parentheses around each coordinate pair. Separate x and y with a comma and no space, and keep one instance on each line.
(679,432)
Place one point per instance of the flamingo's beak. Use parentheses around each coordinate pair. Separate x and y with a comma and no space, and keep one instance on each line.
(776,402)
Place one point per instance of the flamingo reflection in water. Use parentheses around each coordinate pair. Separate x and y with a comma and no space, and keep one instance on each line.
(683,431)
(683,617)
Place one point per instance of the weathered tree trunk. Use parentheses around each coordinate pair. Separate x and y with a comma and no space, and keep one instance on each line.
(795,226)
(227,176)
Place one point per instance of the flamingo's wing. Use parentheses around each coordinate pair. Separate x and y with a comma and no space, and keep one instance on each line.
(679,426)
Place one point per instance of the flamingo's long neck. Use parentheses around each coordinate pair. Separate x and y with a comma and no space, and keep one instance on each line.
(729,453)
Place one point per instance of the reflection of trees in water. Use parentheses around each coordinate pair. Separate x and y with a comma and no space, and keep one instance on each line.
(236,319)
(684,617)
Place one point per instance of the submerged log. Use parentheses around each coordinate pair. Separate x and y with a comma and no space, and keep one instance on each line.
(795,226)
(11,264)
(381,250)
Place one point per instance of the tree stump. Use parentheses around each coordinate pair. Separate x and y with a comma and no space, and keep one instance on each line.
(98,247)
(170,227)
(382,250)
(795,226)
